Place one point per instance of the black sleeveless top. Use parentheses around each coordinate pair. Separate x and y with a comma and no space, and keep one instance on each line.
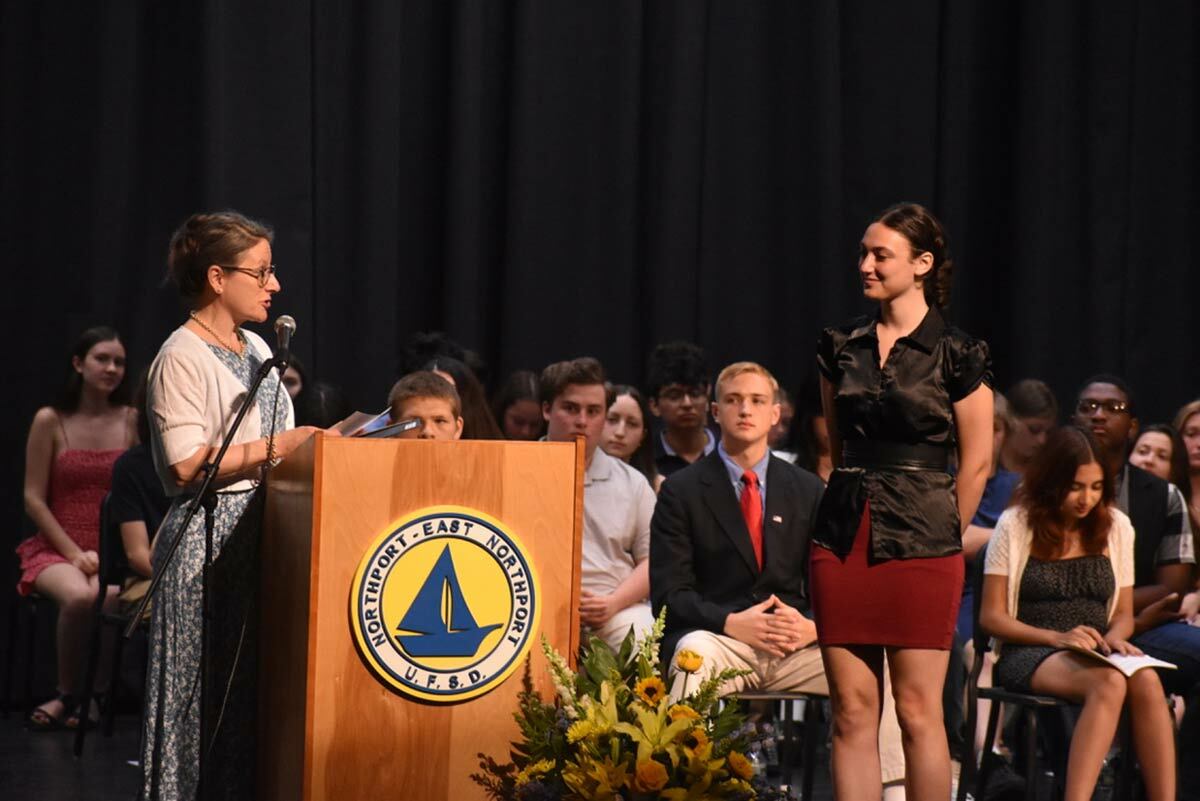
(904,409)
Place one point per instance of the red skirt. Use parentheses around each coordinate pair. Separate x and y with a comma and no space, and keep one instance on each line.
(905,603)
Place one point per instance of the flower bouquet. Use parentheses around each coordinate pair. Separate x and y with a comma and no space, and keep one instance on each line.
(613,733)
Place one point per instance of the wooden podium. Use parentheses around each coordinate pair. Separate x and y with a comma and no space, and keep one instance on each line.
(329,728)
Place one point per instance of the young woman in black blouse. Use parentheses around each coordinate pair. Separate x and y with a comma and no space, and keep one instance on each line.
(900,390)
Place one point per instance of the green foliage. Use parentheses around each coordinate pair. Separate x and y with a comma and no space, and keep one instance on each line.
(612,732)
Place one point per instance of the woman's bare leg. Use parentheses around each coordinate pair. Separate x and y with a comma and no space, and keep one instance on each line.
(918,675)
(1101,690)
(74,595)
(1153,734)
(855,674)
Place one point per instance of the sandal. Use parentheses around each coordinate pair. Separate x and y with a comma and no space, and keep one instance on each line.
(40,718)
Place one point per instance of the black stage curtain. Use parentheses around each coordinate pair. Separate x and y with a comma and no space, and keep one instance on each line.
(550,179)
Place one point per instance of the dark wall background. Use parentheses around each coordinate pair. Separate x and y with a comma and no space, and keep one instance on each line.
(550,179)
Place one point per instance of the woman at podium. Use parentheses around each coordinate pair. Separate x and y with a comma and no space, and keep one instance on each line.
(222,266)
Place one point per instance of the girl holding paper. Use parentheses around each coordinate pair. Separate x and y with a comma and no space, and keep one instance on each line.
(1059,580)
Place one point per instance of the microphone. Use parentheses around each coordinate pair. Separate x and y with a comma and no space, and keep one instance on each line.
(285,326)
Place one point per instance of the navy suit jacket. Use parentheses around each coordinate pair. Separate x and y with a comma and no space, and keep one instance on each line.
(702,565)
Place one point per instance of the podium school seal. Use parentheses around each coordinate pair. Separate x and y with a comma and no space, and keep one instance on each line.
(444,604)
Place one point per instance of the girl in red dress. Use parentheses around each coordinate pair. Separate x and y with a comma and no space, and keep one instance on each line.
(68,469)
(900,390)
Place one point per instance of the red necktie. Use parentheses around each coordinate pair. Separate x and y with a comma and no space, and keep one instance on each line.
(752,513)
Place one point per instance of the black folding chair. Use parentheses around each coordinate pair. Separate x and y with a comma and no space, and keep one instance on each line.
(813,706)
(24,614)
(114,569)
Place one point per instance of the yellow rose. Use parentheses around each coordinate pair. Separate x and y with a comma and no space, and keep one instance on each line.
(650,690)
(682,712)
(688,661)
(740,766)
(650,777)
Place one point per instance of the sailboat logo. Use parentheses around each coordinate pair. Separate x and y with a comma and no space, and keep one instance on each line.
(445,604)
(440,618)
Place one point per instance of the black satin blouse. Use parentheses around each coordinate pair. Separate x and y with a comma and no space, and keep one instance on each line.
(897,430)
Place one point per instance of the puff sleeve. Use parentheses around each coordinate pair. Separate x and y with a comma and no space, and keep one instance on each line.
(829,344)
(970,365)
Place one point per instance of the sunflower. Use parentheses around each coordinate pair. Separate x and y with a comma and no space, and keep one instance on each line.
(651,690)
(695,739)
(650,776)
(688,660)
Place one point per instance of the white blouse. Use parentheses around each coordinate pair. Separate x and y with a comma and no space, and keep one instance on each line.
(192,399)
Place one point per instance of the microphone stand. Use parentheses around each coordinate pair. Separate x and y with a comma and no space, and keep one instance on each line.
(206,499)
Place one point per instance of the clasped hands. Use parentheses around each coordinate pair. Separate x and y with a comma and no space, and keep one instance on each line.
(88,562)
(1170,608)
(596,610)
(771,626)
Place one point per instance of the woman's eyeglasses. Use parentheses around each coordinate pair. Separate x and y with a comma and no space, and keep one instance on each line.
(262,274)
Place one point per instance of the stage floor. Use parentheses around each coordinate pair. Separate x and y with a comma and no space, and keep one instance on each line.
(40,765)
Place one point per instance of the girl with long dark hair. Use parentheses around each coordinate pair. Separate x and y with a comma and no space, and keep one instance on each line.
(68,470)
(627,432)
(1058,580)
(478,422)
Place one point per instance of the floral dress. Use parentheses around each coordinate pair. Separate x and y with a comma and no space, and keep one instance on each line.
(171,730)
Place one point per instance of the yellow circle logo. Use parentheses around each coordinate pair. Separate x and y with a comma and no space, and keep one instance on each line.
(444,604)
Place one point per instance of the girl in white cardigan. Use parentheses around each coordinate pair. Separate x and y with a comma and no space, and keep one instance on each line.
(1058,578)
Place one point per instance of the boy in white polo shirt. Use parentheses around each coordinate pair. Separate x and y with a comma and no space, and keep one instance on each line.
(617,505)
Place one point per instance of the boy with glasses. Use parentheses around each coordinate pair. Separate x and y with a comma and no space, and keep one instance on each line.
(677,387)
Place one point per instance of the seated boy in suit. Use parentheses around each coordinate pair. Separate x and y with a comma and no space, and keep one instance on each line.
(729,555)
(729,546)
(433,400)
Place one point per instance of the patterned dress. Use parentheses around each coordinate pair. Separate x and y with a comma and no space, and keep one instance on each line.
(171,731)
(79,480)
(1059,595)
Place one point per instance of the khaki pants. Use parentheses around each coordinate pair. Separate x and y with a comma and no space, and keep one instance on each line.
(614,629)
(801,672)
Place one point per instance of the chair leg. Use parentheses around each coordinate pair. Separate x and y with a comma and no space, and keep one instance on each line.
(1124,788)
(985,758)
(110,702)
(31,618)
(1062,749)
(89,676)
(10,655)
(785,732)
(1030,748)
(968,767)
(811,729)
